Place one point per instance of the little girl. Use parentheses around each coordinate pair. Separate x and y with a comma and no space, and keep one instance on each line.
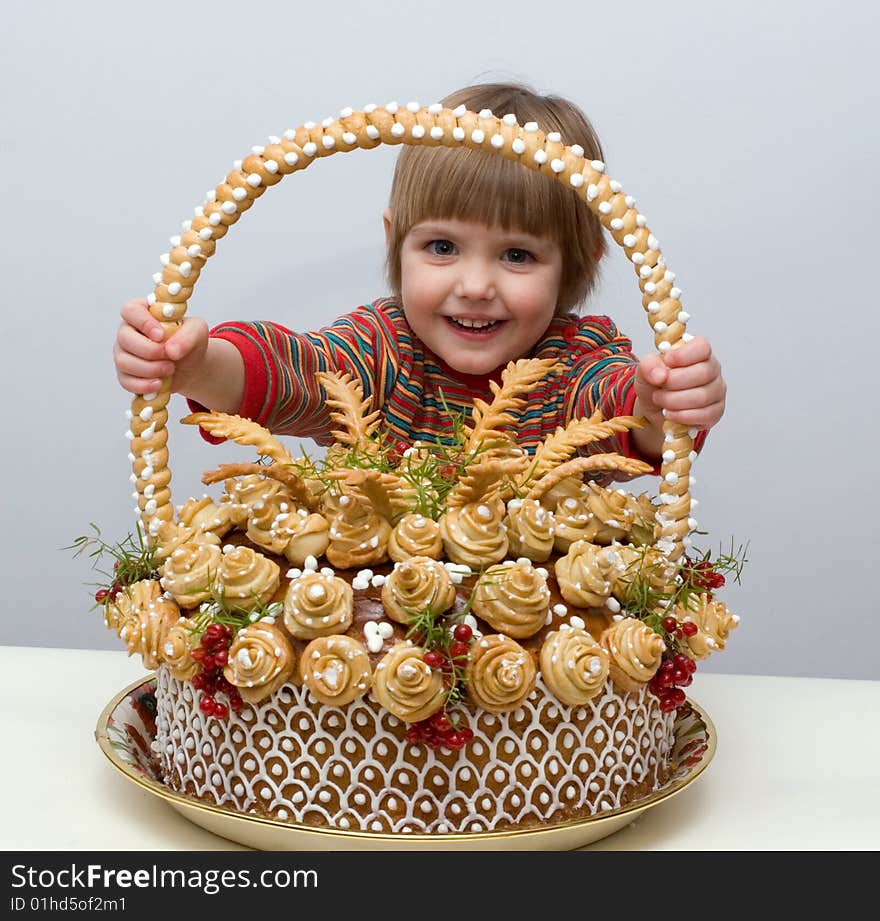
(487,262)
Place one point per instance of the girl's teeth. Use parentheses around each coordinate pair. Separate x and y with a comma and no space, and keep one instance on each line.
(473,324)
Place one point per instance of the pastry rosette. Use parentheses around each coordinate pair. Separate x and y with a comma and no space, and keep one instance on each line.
(309,536)
(644,563)
(180,640)
(417,585)
(610,515)
(415,535)
(512,598)
(714,621)
(643,525)
(246,578)
(634,650)
(206,516)
(573,665)
(269,523)
(143,615)
(586,574)
(242,493)
(499,674)
(316,604)
(171,535)
(260,660)
(530,529)
(358,542)
(336,669)
(406,686)
(191,572)
(573,518)
(473,534)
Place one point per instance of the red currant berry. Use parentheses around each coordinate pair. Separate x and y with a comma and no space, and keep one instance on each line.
(236,703)
(667,704)
(665,679)
(669,624)
(678,696)
(198,682)
(433,659)
(206,704)
(198,654)
(463,633)
(458,650)
(454,740)
(689,628)
(466,733)
(221,658)
(221,711)
(101,595)
(440,722)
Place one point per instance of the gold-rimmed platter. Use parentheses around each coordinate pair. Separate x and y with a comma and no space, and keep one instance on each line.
(126,730)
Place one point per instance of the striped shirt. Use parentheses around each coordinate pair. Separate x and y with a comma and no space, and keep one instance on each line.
(415,390)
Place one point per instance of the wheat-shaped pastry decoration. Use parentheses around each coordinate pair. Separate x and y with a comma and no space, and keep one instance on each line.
(242,431)
(349,409)
(384,492)
(557,448)
(488,419)
(282,473)
(413,124)
(484,480)
(595,463)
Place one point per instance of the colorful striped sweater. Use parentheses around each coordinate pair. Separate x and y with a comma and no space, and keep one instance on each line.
(415,389)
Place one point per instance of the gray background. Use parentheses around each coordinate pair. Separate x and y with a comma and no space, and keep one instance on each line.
(747,132)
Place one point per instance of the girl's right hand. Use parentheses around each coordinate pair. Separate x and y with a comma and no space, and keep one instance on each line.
(143,359)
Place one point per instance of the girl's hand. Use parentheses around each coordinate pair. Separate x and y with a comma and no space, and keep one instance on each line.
(143,359)
(685,381)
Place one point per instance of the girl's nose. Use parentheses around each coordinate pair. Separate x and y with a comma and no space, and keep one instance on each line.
(475,281)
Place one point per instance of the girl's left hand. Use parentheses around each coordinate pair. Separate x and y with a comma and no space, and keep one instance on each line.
(685,381)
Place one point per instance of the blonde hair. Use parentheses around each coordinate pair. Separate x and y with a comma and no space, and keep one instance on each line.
(465,184)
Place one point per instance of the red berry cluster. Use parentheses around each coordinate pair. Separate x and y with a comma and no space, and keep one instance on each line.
(702,576)
(103,595)
(436,731)
(675,672)
(213,654)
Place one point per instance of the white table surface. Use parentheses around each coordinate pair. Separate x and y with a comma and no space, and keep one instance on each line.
(797,766)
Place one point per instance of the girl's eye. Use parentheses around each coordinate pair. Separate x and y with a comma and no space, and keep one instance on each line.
(441,247)
(518,256)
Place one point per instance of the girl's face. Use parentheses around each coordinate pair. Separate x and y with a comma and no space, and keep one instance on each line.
(478,296)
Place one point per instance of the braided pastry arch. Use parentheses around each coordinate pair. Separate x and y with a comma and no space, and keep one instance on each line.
(431,126)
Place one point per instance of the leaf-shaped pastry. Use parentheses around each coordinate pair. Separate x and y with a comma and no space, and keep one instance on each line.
(384,492)
(280,472)
(593,464)
(483,479)
(243,432)
(557,448)
(487,419)
(345,396)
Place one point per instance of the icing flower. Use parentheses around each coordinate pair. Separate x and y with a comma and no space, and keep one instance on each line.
(530,529)
(500,674)
(406,686)
(190,573)
(206,516)
(513,599)
(309,536)
(714,622)
(143,617)
(336,669)
(246,578)
(474,534)
(318,605)
(176,652)
(417,585)
(635,652)
(586,574)
(415,535)
(573,665)
(260,660)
